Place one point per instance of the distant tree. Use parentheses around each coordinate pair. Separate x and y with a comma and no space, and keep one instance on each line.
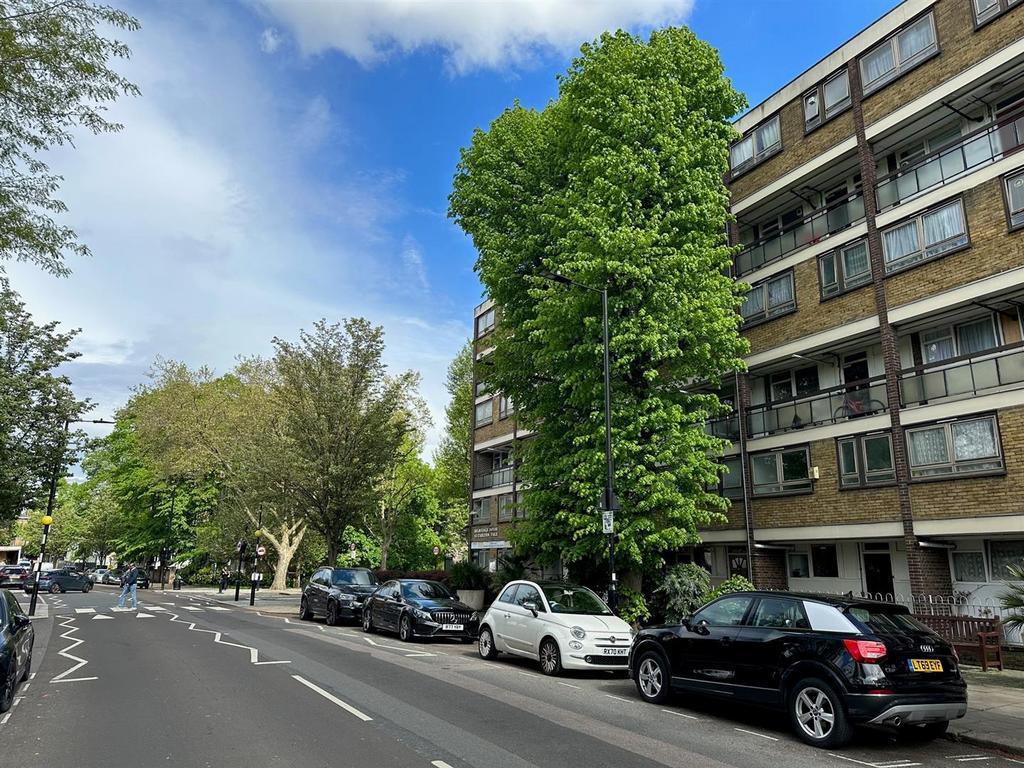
(400,495)
(619,184)
(452,456)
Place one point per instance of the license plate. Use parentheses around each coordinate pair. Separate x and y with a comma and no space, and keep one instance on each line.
(616,651)
(452,627)
(925,665)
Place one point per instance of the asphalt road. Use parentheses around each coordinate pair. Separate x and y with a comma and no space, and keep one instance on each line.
(190,681)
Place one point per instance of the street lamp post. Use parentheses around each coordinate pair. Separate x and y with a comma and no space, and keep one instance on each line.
(255,558)
(610,502)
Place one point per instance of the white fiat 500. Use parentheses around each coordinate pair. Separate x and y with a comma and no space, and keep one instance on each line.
(563,626)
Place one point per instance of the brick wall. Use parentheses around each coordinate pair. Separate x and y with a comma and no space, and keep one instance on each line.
(768,570)
(734,517)
(496,428)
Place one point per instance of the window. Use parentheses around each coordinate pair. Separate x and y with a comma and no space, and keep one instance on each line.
(1004,553)
(528,593)
(827,100)
(799,565)
(484,323)
(506,507)
(727,612)
(955,448)
(484,413)
(501,460)
(756,145)
(866,460)
(509,595)
(826,563)
(986,10)
(480,511)
(1015,200)
(769,299)
(899,53)
(737,557)
(780,613)
(730,483)
(783,471)
(925,237)
(844,269)
(828,618)
(505,407)
(969,566)
(482,388)
(785,385)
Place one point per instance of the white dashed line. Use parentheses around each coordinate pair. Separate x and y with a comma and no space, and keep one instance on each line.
(619,698)
(5,719)
(568,685)
(679,714)
(333,699)
(755,733)
(85,610)
(440,764)
(25,687)
(971,759)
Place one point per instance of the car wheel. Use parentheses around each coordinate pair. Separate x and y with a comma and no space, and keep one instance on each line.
(28,668)
(550,658)
(332,614)
(405,629)
(304,613)
(485,644)
(368,620)
(652,678)
(817,714)
(54,589)
(86,587)
(10,684)
(925,731)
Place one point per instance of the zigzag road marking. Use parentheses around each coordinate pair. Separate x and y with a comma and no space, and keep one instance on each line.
(254,654)
(75,642)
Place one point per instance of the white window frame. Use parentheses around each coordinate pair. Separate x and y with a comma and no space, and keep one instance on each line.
(984,564)
(485,323)
(926,251)
(789,568)
(505,407)
(752,139)
(477,509)
(998,8)
(954,467)
(782,486)
(506,507)
(993,574)
(899,65)
(1015,217)
(823,112)
(952,332)
(769,312)
(488,406)
(842,283)
(861,477)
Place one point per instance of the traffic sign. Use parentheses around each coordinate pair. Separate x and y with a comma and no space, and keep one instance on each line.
(261,550)
(437,550)
(608,521)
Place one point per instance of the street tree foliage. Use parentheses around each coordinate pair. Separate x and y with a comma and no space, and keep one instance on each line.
(55,78)
(402,490)
(35,402)
(452,456)
(618,184)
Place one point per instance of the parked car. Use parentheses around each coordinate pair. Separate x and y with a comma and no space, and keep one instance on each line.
(60,580)
(13,575)
(418,608)
(563,626)
(96,576)
(142,579)
(111,577)
(16,639)
(830,662)
(337,593)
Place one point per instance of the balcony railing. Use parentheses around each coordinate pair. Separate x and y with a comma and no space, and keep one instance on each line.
(493,479)
(819,224)
(829,406)
(725,427)
(965,375)
(976,149)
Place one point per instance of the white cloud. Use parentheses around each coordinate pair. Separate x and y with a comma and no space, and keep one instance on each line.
(270,40)
(472,33)
(412,259)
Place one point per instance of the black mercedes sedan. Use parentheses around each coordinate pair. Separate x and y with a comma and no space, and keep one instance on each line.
(337,594)
(416,608)
(829,662)
(16,639)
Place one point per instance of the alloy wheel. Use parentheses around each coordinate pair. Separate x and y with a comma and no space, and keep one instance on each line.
(485,643)
(405,629)
(7,694)
(550,663)
(367,620)
(650,678)
(814,712)
(332,614)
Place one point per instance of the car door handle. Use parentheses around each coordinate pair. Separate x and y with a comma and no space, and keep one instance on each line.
(508,615)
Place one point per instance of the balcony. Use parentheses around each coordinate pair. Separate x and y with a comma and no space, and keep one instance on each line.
(493,479)
(829,406)
(724,427)
(962,376)
(816,226)
(970,152)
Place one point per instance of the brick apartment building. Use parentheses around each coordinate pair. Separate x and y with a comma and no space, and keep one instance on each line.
(878,433)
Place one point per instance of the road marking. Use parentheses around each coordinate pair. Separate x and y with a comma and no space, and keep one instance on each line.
(971,759)
(440,764)
(870,765)
(32,676)
(74,679)
(117,609)
(144,616)
(334,699)
(75,642)
(25,687)
(619,698)
(217,608)
(17,700)
(190,608)
(680,714)
(755,733)
(568,685)
(6,718)
(155,608)
(258,663)
(85,610)
(101,616)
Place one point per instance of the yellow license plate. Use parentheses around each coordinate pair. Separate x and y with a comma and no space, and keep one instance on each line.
(926,665)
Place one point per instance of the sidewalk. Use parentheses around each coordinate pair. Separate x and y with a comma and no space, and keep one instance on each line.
(995,712)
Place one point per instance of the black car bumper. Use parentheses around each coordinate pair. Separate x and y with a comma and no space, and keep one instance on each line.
(350,610)
(424,628)
(897,709)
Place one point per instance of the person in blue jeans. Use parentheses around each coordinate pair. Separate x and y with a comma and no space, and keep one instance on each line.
(129,582)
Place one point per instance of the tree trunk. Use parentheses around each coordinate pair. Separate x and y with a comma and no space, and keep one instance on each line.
(332,552)
(286,542)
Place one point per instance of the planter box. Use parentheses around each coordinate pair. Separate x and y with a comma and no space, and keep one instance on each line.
(474,598)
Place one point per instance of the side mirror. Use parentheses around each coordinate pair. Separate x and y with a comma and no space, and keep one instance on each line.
(685,620)
(455,595)
(531,607)
(701,628)
(21,621)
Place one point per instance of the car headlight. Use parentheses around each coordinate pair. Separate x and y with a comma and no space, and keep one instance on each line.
(576,645)
(578,632)
(421,614)
(475,616)
(345,597)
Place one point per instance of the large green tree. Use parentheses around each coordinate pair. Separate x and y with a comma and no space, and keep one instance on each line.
(55,77)
(617,184)
(452,456)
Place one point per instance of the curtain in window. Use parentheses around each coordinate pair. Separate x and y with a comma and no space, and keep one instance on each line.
(768,135)
(855,261)
(938,345)
(976,337)
(742,152)
(968,566)
(877,63)
(983,5)
(1004,553)
(943,224)
(901,241)
(780,292)
(916,39)
(928,446)
(764,470)
(754,304)
(837,90)
(974,440)
(1015,193)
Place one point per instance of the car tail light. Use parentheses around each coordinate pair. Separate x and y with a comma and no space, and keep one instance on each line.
(865,650)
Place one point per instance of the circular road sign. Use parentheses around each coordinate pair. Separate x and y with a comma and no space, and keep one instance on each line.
(437,550)
(261,550)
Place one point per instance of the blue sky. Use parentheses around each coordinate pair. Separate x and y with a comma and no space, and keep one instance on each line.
(289,161)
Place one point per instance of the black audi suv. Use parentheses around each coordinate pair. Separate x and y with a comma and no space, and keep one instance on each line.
(337,594)
(416,608)
(830,662)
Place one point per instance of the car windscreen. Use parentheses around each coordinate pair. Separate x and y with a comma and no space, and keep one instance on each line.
(580,600)
(886,620)
(342,576)
(429,590)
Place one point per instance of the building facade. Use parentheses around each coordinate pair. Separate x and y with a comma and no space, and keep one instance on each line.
(878,432)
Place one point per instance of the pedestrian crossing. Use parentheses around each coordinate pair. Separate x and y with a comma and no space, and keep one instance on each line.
(145,610)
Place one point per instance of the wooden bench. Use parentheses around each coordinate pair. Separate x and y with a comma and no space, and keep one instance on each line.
(982,636)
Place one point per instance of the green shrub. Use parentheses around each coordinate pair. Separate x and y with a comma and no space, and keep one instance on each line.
(684,589)
(467,575)
(732,584)
(632,607)
(1013,598)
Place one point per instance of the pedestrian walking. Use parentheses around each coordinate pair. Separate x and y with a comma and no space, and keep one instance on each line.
(225,575)
(129,581)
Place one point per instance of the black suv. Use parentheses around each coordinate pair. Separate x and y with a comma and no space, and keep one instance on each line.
(337,593)
(831,662)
